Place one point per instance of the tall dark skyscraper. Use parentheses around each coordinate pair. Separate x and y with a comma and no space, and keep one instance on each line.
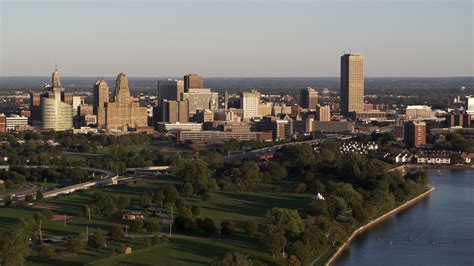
(352,83)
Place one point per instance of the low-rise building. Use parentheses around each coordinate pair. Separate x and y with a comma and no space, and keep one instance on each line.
(179,126)
(433,158)
(16,123)
(333,126)
(222,135)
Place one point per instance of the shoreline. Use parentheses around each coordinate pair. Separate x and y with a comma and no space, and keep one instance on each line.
(376,221)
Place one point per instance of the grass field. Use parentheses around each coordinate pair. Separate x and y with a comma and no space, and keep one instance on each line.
(184,250)
(238,207)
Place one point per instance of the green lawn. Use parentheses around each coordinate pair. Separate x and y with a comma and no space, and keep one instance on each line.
(236,206)
(184,251)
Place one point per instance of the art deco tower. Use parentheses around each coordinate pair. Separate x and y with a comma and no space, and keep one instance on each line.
(352,83)
(122,92)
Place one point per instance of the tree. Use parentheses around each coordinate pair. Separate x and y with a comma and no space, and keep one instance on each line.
(235,259)
(39,219)
(39,195)
(136,226)
(301,251)
(197,174)
(197,211)
(293,261)
(171,193)
(300,188)
(145,200)
(188,189)
(286,220)
(47,251)
(273,240)
(251,227)
(276,171)
(227,228)
(319,207)
(29,198)
(13,248)
(116,232)
(152,225)
(97,240)
(159,197)
(208,226)
(215,160)
(75,245)
(250,176)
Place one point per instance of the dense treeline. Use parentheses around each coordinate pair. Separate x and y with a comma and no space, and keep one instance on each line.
(354,189)
(50,148)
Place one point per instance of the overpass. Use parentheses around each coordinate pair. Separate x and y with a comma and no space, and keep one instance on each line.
(31,189)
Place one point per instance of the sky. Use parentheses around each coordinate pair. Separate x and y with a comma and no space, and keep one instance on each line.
(236,38)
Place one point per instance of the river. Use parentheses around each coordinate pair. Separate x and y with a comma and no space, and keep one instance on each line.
(438,230)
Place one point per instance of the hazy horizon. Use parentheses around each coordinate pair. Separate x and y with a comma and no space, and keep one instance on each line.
(244,39)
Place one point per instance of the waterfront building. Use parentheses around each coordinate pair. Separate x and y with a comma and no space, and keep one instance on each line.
(309,98)
(433,158)
(193,81)
(352,83)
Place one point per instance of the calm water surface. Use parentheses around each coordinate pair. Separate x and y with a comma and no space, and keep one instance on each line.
(438,230)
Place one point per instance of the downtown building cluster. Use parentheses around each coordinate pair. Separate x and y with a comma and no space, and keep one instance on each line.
(190,111)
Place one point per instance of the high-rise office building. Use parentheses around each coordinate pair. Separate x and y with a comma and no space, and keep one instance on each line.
(323,113)
(170,89)
(50,108)
(352,83)
(124,112)
(101,97)
(249,103)
(226,100)
(174,111)
(201,99)
(415,133)
(193,81)
(56,114)
(309,98)
(35,97)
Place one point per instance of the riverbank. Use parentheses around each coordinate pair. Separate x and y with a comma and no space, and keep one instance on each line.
(376,221)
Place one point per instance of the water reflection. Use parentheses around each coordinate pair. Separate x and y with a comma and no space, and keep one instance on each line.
(438,230)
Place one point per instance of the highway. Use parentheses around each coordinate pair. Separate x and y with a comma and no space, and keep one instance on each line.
(251,154)
(110,178)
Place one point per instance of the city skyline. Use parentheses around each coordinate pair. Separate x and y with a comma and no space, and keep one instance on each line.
(253,39)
